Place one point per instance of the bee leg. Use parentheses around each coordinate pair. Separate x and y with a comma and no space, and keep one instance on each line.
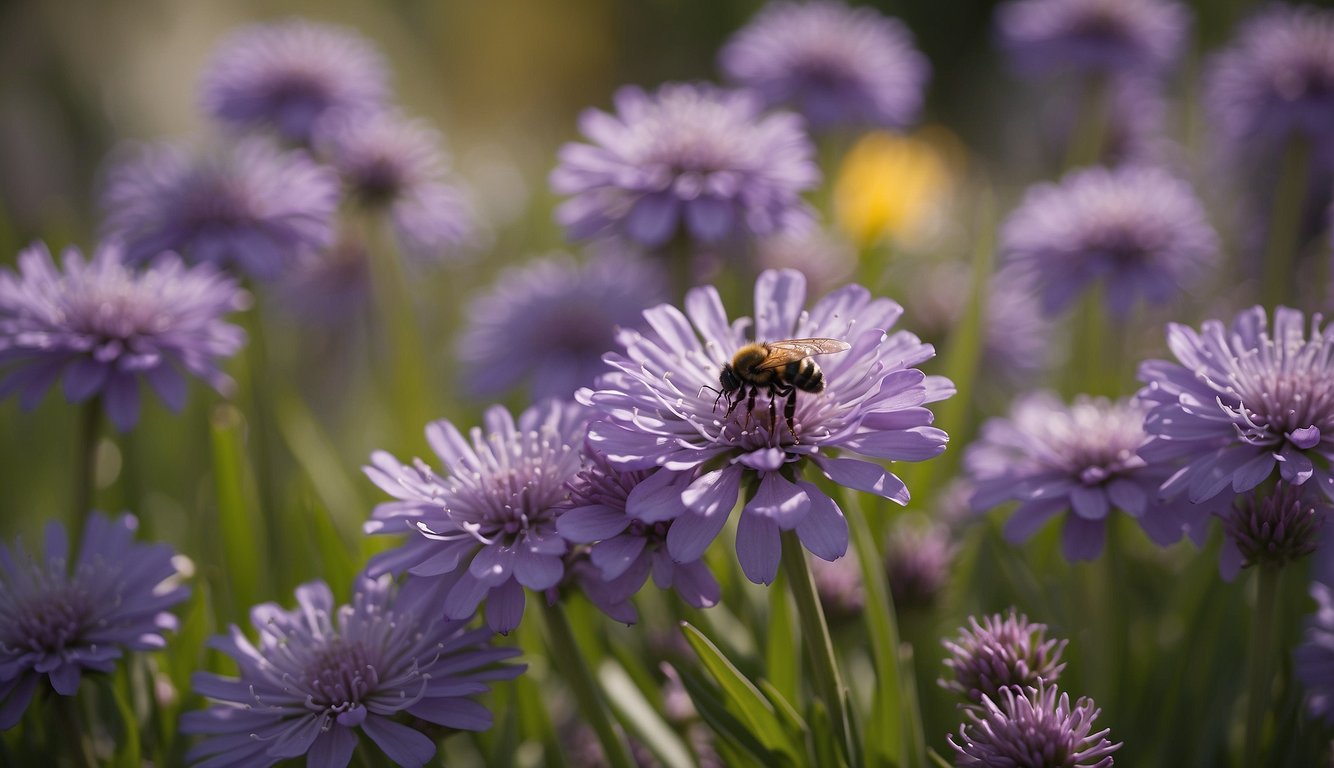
(750,404)
(790,413)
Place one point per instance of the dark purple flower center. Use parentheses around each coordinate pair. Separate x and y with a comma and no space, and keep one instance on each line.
(341,674)
(378,181)
(51,620)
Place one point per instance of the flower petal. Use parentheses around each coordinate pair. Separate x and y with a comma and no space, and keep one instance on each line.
(758,548)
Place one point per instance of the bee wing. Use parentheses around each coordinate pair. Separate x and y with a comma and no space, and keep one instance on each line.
(790,350)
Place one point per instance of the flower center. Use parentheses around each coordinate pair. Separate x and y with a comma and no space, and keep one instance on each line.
(1274,405)
(341,674)
(52,620)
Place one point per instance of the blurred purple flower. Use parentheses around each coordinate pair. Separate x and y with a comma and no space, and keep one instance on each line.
(1135,130)
(834,64)
(1143,37)
(827,260)
(1274,529)
(654,411)
(1075,460)
(104,327)
(688,159)
(625,550)
(999,652)
(254,206)
(839,585)
(918,558)
(331,287)
(58,624)
(1314,658)
(391,163)
(489,524)
(289,74)
(1242,403)
(1032,727)
(321,671)
(549,322)
(1137,229)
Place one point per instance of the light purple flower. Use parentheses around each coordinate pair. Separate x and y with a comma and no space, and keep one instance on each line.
(1032,727)
(1136,229)
(654,411)
(391,163)
(58,622)
(1092,36)
(547,323)
(999,652)
(918,558)
(320,672)
(105,327)
(489,523)
(1243,402)
(1078,461)
(289,74)
(1272,529)
(253,206)
(689,160)
(625,550)
(1314,658)
(834,64)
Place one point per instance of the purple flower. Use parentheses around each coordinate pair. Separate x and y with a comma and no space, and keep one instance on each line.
(547,323)
(655,411)
(1000,652)
(1273,529)
(917,563)
(394,164)
(57,623)
(1242,403)
(105,327)
(834,64)
(1092,36)
(289,74)
(254,207)
(625,550)
(839,585)
(1032,727)
(1078,461)
(319,672)
(1138,229)
(688,159)
(489,524)
(1134,131)
(1314,658)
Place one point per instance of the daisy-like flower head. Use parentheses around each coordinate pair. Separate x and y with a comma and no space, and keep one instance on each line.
(1244,401)
(999,652)
(254,207)
(57,622)
(655,411)
(834,64)
(1093,36)
(1035,728)
(625,550)
(1138,229)
(548,323)
(105,327)
(289,74)
(391,163)
(317,674)
(689,160)
(1314,658)
(488,523)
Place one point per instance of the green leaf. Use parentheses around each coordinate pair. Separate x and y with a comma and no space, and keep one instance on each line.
(128,751)
(791,718)
(823,736)
(240,524)
(782,663)
(639,716)
(714,713)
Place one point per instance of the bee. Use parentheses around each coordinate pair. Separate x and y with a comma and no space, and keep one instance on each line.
(777,367)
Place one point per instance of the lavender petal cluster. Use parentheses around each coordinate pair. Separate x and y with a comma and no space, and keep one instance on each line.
(61,618)
(1032,726)
(1000,652)
(321,674)
(836,65)
(105,327)
(1272,529)
(1102,37)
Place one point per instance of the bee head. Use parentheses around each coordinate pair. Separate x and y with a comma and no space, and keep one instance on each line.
(728,379)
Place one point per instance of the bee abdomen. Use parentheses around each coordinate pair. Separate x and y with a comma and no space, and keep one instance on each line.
(805,375)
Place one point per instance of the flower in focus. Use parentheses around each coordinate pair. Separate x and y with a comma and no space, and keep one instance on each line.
(1092,36)
(1000,652)
(1078,460)
(1242,402)
(834,64)
(892,187)
(488,526)
(1137,229)
(691,160)
(58,622)
(548,323)
(390,163)
(1274,529)
(654,410)
(917,563)
(321,671)
(625,550)
(1314,658)
(289,74)
(1032,727)
(254,207)
(105,327)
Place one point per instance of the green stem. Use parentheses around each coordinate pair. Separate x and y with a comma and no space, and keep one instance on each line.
(410,382)
(90,429)
(1285,224)
(571,662)
(819,644)
(1087,142)
(78,739)
(1263,626)
(1090,351)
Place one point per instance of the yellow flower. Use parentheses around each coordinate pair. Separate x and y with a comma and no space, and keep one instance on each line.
(893,186)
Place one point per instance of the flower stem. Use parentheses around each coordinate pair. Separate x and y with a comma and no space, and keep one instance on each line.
(1285,222)
(571,662)
(80,742)
(1263,625)
(90,429)
(819,644)
(1087,142)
